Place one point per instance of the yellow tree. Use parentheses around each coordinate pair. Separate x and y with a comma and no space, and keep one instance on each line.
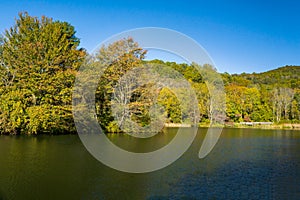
(117,59)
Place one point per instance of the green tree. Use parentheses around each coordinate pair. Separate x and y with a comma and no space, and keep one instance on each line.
(171,105)
(40,58)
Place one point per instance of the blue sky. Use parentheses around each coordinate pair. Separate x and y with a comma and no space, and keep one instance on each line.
(240,36)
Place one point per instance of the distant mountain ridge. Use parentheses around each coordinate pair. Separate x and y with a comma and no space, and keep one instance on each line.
(288,76)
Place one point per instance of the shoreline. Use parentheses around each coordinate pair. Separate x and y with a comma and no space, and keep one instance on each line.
(284,126)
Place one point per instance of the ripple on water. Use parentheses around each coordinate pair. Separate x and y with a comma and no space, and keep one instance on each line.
(241,180)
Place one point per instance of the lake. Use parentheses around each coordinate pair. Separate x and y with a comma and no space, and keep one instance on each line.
(245,164)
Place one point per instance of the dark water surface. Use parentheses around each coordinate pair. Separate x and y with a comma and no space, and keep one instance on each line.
(245,164)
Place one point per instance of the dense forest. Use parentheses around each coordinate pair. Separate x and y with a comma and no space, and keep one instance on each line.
(271,96)
(39,60)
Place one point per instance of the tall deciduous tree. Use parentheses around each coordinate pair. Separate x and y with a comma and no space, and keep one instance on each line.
(39,61)
(118,58)
(282,99)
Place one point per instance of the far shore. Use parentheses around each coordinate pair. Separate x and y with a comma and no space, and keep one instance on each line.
(177,125)
(284,126)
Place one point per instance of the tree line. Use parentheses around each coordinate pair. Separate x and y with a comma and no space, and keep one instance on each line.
(40,57)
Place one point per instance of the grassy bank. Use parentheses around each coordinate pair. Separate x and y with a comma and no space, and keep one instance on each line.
(288,126)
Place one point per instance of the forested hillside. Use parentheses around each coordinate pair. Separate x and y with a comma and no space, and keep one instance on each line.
(40,57)
(272,96)
(287,76)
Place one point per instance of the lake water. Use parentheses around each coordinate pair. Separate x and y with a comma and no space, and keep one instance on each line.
(245,164)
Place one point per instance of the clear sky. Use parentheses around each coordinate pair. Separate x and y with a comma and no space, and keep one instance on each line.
(240,36)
